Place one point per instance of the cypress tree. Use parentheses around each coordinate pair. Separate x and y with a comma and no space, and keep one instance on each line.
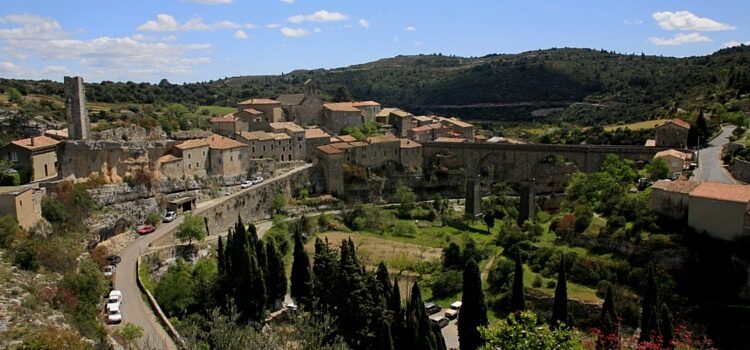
(473,309)
(301,279)
(648,308)
(220,257)
(666,327)
(609,324)
(276,283)
(452,256)
(326,287)
(383,337)
(439,340)
(518,302)
(560,306)
(249,285)
(418,329)
(385,281)
(394,306)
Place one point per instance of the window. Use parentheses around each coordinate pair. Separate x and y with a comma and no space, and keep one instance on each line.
(189,155)
(190,166)
(300,146)
(14,156)
(264,148)
(299,138)
(204,153)
(197,164)
(231,158)
(282,157)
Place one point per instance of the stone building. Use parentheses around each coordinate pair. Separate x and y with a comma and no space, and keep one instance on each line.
(37,154)
(337,116)
(369,109)
(332,165)
(721,210)
(672,133)
(672,198)
(263,144)
(259,112)
(194,155)
(24,203)
(428,132)
(297,135)
(676,161)
(305,108)
(225,156)
(410,155)
(76,112)
(171,166)
(400,120)
(315,137)
(377,151)
(459,128)
(228,125)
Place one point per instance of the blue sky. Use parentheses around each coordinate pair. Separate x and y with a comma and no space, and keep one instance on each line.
(199,40)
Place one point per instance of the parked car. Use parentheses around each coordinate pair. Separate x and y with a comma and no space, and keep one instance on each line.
(114,300)
(456,305)
(169,216)
(258,179)
(109,270)
(431,308)
(146,229)
(439,320)
(451,314)
(114,315)
(246,184)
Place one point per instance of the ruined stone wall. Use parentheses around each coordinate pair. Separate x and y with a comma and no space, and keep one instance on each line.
(76,112)
(132,133)
(112,160)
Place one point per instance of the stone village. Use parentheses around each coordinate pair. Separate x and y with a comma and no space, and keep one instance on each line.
(266,135)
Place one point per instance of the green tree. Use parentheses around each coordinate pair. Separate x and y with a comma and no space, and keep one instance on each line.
(524,333)
(489,219)
(649,323)
(279,202)
(175,292)
(518,299)
(609,324)
(439,204)
(394,306)
(621,170)
(418,329)
(301,280)
(658,169)
(191,229)
(406,199)
(153,218)
(560,306)
(341,95)
(452,256)
(14,96)
(130,333)
(276,283)
(473,309)
(385,280)
(666,328)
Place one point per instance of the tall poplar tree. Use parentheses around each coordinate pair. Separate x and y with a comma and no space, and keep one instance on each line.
(473,309)
(560,306)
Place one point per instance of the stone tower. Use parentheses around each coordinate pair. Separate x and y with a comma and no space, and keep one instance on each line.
(528,204)
(75,109)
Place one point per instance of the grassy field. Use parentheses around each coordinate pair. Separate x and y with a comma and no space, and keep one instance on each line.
(648,124)
(218,110)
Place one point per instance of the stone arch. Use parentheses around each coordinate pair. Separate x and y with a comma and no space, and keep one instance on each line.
(551,172)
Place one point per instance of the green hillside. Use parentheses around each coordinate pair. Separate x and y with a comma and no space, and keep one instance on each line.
(583,86)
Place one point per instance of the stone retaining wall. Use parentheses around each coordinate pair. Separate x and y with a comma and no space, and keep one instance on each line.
(740,170)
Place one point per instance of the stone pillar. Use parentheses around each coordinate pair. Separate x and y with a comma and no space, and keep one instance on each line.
(473,206)
(75,109)
(528,204)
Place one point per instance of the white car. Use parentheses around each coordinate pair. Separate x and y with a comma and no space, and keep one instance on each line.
(169,216)
(114,300)
(114,315)
(109,270)
(246,184)
(258,179)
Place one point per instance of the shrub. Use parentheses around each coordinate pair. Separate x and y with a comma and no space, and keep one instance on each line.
(10,232)
(500,276)
(537,283)
(447,284)
(153,218)
(25,258)
(551,284)
(404,229)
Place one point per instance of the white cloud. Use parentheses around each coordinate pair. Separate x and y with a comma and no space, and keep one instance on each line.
(240,34)
(633,21)
(364,23)
(410,29)
(294,33)
(167,23)
(103,57)
(288,1)
(317,30)
(686,20)
(273,25)
(319,16)
(10,67)
(210,2)
(60,70)
(734,43)
(418,43)
(680,39)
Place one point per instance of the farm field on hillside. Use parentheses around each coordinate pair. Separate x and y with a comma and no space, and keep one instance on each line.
(648,124)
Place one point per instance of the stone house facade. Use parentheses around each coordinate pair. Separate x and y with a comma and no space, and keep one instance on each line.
(228,125)
(676,161)
(410,155)
(429,132)
(337,116)
(305,108)
(315,137)
(297,135)
(37,154)
(369,109)
(672,198)
(721,210)
(225,156)
(194,155)
(458,128)
(263,144)
(24,203)
(259,112)
(672,133)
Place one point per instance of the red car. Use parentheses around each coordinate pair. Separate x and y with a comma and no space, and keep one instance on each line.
(146,229)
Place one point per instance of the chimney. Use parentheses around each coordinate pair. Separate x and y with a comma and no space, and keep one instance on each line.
(32,141)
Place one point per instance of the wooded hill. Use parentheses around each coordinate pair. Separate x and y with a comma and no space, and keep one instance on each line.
(583,86)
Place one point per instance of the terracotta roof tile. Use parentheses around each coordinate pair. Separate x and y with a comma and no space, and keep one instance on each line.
(345,138)
(722,192)
(679,186)
(293,127)
(428,127)
(36,142)
(252,111)
(382,138)
(328,149)
(674,153)
(168,158)
(457,122)
(221,142)
(315,133)
(678,122)
(365,103)
(340,107)
(192,144)
(229,118)
(406,143)
(450,139)
(256,135)
(260,101)
(341,145)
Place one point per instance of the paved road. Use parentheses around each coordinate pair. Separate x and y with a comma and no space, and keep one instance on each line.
(450,334)
(710,167)
(134,309)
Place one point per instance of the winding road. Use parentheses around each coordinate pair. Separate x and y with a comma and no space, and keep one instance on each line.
(710,166)
(134,309)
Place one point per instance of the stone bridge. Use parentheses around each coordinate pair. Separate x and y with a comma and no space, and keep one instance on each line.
(520,163)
